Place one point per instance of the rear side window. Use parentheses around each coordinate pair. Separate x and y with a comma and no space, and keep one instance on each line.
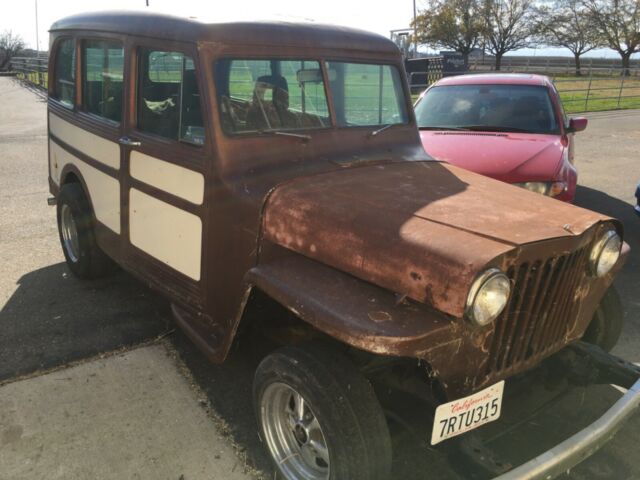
(65,71)
(168,97)
(103,65)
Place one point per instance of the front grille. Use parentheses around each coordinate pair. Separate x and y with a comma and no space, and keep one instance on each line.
(541,310)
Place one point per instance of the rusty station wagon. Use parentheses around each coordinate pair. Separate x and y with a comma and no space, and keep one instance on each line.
(271,175)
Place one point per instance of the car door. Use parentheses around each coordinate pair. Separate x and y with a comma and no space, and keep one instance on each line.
(165,159)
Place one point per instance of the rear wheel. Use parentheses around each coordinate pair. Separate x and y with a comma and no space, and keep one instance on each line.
(606,326)
(75,226)
(319,417)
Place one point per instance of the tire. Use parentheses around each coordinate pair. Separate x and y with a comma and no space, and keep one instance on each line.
(84,257)
(606,326)
(340,412)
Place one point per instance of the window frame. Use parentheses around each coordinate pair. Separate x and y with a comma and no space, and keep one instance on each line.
(323,60)
(408,105)
(82,40)
(53,93)
(269,133)
(140,45)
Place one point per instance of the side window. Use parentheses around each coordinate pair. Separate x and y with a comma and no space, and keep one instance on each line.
(102,71)
(65,71)
(168,97)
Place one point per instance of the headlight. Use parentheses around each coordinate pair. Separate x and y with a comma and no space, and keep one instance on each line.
(552,189)
(488,296)
(605,253)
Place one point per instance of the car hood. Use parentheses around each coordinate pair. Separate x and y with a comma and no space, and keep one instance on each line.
(510,157)
(421,229)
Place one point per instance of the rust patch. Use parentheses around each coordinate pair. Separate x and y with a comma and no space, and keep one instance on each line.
(380,317)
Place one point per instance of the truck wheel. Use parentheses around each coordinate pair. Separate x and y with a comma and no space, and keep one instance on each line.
(319,417)
(83,255)
(606,326)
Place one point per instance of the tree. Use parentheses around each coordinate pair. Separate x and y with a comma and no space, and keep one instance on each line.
(10,45)
(567,24)
(453,24)
(618,22)
(510,25)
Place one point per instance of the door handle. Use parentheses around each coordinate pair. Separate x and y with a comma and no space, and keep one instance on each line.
(128,142)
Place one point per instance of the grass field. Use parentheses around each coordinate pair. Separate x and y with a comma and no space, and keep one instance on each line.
(591,95)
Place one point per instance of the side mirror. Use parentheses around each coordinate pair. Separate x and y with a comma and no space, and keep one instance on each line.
(577,124)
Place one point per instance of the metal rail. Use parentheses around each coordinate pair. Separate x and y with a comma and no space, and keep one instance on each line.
(32,70)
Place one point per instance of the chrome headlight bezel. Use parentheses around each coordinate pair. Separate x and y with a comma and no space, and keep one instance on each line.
(609,242)
(485,280)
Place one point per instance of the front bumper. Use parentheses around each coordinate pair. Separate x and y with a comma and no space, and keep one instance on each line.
(578,447)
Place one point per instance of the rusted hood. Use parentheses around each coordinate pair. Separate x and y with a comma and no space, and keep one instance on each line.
(421,229)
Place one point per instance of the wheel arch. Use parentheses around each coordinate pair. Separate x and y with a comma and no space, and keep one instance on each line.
(72,174)
(341,307)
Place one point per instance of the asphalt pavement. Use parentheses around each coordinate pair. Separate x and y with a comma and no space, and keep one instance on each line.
(56,330)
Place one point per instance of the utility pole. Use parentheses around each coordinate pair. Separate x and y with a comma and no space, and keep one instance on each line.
(37,36)
(415,31)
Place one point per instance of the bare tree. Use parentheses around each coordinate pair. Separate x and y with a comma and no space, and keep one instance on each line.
(454,24)
(618,22)
(567,24)
(10,45)
(510,25)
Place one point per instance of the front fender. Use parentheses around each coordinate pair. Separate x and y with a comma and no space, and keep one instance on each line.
(353,311)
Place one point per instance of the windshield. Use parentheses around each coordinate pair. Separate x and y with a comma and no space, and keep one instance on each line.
(366,94)
(515,108)
(275,95)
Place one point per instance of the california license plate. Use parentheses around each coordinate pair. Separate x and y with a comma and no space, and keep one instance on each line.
(460,416)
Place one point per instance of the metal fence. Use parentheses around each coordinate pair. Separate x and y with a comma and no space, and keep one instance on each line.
(555,65)
(32,70)
(593,93)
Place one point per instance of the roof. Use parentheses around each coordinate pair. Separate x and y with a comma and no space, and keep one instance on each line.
(277,33)
(496,79)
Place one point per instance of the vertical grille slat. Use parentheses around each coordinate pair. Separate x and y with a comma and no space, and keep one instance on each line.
(540,311)
(546,291)
(526,319)
(511,326)
(500,327)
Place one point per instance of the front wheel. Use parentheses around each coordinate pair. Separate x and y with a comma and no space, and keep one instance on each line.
(606,325)
(319,417)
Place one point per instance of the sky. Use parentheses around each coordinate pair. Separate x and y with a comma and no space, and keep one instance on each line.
(378,16)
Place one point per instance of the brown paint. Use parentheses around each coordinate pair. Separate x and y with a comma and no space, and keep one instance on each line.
(366,239)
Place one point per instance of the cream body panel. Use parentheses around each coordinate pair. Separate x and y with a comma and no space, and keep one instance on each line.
(165,232)
(104,190)
(171,178)
(98,148)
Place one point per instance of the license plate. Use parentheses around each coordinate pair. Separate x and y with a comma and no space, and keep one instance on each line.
(460,416)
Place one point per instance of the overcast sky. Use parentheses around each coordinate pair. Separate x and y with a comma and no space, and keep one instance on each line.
(374,15)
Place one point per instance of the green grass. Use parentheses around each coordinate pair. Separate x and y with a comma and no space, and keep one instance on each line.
(602,92)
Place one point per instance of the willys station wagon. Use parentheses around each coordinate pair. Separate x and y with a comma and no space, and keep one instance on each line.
(271,175)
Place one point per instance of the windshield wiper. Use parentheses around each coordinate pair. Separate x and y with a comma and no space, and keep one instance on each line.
(381,129)
(443,128)
(301,136)
(497,128)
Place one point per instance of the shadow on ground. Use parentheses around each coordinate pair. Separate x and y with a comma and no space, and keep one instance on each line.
(628,279)
(53,318)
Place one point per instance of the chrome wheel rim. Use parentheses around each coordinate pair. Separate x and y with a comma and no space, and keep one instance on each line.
(293,434)
(69,234)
